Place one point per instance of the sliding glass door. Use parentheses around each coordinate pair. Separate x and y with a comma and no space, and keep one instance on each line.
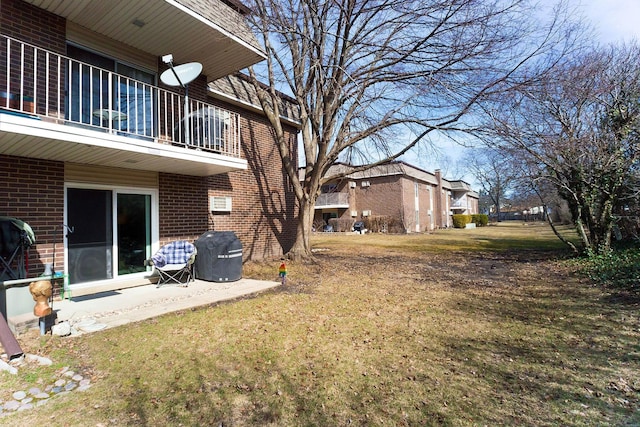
(112,233)
(133,231)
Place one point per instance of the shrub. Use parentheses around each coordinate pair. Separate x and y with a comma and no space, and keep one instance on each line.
(341,224)
(617,269)
(382,224)
(480,219)
(461,221)
(318,224)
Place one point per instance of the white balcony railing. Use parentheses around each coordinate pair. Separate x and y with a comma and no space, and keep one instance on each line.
(459,204)
(332,199)
(48,86)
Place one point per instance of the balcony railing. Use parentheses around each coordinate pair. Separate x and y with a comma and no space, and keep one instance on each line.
(48,86)
(332,199)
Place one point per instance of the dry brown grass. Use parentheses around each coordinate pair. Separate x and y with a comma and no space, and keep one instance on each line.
(459,327)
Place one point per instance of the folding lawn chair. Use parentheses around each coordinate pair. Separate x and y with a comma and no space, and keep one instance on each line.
(174,263)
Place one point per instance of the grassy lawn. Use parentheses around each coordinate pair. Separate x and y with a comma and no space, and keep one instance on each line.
(459,327)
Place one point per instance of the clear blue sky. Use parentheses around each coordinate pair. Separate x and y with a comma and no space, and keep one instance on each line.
(613,20)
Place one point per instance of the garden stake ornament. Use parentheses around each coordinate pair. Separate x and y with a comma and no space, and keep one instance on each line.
(283,271)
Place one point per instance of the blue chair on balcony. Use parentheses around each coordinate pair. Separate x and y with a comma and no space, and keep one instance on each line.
(174,263)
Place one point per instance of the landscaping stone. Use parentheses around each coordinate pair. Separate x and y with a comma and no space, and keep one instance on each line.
(44,361)
(4,366)
(84,387)
(11,405)
(19,395)
(65,382)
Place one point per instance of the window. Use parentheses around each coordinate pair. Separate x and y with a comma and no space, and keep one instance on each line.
(94,87)
(329,188)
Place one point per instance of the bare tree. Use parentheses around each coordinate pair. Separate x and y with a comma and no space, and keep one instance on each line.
(374,78)
(494,172)
(578,130)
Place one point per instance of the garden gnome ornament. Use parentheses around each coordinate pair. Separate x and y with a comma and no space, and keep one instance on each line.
(41,292)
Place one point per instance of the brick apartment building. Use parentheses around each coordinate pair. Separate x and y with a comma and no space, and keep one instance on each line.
(415,199)
(106,162)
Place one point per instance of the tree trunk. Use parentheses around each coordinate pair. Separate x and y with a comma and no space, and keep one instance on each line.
(586,243)
(558,235)
(302,247)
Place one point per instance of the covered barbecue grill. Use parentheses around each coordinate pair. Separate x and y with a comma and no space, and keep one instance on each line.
(16,236)
(219,257)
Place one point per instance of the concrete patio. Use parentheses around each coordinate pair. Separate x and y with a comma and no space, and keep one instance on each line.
(104,310)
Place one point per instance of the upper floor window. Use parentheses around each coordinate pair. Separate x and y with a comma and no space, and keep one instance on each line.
(329,188)
(99,86)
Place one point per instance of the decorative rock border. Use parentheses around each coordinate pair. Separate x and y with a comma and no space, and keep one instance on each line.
(64,382)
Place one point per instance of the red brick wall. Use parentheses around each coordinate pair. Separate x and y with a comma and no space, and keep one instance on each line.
(264,212)
(445,205)
(408,204)
(383,197)
(33,191)
(345,214)
(33,25)
(183,207)
(424,206)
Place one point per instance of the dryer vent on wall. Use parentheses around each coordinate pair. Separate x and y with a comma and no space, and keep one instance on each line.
(220,204)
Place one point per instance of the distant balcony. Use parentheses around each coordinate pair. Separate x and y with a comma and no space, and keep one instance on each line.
(459,205)
(332,200)
(42,85)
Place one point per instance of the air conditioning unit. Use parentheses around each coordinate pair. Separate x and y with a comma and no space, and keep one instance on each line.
(352,184)
(220,204)
(365,184)
(366,213)
(354,213)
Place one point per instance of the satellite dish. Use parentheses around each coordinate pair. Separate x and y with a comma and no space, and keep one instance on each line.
(181,75)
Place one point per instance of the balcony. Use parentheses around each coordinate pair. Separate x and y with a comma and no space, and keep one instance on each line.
(332,200)
(459,205)
(211,32)
(56,108)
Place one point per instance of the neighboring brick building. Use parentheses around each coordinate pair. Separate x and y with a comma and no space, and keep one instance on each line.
(414,199)
(97,154)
